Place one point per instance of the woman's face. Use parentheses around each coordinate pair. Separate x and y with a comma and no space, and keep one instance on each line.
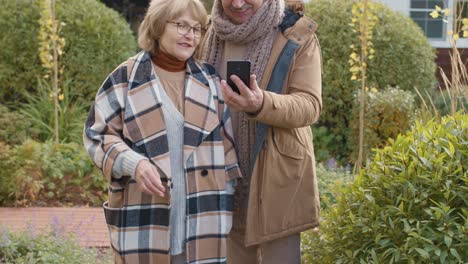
(181,36)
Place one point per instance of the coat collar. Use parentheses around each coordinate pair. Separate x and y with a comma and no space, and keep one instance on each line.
(200,115)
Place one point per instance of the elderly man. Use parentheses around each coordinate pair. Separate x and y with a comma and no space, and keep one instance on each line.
(278,196)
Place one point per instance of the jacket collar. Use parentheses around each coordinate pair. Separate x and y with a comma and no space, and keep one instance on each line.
(200,115)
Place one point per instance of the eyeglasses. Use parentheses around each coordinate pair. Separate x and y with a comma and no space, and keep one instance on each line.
(184,29)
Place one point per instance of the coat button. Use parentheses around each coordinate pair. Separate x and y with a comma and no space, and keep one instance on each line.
(204,173)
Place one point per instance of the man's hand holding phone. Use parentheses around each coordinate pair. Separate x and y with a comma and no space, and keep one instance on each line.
(250,98)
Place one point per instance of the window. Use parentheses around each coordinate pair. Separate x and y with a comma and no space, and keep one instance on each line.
(434,28)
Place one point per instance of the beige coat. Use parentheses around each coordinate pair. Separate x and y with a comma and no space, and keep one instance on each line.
(284,196)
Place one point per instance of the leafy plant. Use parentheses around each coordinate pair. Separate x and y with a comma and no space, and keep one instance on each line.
(14,128)
(443,101)
(362,22)
(410,205)
(39,112)
(329,181)
(7,168)
(26,247)
(388,113)
(208,5)
(403,58)
(52,174)
(50,52)
(97,38)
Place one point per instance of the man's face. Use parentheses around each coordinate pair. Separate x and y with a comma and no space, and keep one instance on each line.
(240,11)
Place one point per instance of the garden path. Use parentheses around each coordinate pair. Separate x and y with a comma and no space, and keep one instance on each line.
(87,223)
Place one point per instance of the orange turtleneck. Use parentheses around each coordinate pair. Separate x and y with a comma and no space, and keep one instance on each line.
(167,61)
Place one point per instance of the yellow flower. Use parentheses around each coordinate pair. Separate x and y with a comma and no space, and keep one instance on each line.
(434,14)
(354,69)
(438,8)
(446,12)
(61,97)
(353,77)
(456,37)
(465,21)
(374,90)
(465,34)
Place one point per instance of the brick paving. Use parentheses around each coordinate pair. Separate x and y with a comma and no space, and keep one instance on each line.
(87,223)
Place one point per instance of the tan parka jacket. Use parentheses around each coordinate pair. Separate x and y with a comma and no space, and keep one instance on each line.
(283,197)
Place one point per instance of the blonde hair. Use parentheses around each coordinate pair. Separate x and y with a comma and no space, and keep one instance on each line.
(161,11)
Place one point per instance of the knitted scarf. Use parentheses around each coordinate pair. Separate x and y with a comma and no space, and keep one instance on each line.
(257,34)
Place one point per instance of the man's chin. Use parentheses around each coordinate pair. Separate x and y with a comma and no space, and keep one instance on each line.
(239,20)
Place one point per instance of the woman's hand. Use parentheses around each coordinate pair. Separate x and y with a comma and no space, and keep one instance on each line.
(148,179)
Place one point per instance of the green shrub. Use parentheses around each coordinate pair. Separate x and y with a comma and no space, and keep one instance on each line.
(97,40)
(14,129)
(38,112)
(7,168)
(410,205)
(27,247)
(443,102)
(403,58)
(324,142)
(329,180)
(51,174)
(208,5)
(389,112)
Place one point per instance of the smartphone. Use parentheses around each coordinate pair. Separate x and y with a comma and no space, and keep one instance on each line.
(240,68)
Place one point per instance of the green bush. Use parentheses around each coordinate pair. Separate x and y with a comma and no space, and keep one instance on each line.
(38,112)
(14,129)
(27,247)
(8,187)
(329,181)
(403,58)
(50,174)
(410,205)
(388,113)
(443,101)
(208,5)
(97,40)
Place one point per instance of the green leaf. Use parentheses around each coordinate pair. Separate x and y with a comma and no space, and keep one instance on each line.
(454,253)
(448,240)
(443,256)
(422,252)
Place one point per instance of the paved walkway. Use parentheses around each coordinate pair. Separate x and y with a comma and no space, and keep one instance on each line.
(86,223)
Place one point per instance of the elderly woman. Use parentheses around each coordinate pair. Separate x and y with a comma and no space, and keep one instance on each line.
(162,136)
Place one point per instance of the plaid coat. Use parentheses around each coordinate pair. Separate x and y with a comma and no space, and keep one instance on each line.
(127,118)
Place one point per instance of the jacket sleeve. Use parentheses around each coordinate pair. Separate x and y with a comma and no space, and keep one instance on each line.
(102,135)
(302,104)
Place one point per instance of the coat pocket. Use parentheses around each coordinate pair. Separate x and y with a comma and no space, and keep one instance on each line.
(289,142)
(138,228)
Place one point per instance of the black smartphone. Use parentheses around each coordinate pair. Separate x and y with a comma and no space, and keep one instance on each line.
(240,68)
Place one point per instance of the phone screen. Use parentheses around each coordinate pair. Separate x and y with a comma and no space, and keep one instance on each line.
(240,68)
